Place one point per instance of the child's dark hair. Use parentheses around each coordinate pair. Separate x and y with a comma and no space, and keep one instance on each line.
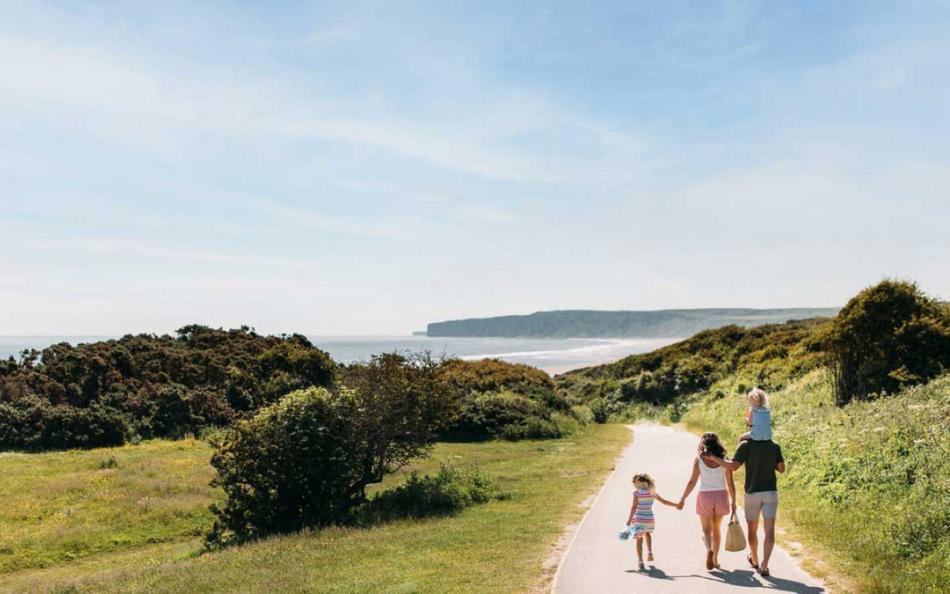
(645,478)
(709,444)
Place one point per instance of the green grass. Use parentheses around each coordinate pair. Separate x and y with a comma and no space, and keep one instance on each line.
(64,506)
(868,484)
(501,546)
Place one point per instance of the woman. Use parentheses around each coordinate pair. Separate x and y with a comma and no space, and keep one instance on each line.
(717,494)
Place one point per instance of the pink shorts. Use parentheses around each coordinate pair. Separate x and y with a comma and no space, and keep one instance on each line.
(713,503)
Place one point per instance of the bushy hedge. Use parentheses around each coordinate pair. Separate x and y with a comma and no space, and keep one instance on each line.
(888,336)
(506,400)
(33,424)
(450,491)
(154,386)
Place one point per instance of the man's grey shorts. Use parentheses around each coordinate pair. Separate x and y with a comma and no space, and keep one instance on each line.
(763,501)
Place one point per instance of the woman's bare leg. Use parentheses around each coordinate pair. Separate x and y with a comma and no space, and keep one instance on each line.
(649,538)
(716,537)
(706,522)
(640,550)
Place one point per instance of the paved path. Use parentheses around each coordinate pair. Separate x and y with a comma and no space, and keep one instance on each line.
(597,562)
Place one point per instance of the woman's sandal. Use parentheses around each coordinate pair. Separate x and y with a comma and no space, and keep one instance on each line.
(642,566)
(749,559)
(764,572)
(709,560)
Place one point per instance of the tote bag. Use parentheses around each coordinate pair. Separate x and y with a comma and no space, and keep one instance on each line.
(735,538)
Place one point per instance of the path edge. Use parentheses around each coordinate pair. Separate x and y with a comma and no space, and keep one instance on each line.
(577,526)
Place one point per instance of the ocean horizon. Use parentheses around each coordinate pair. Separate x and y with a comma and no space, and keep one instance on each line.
(554,355)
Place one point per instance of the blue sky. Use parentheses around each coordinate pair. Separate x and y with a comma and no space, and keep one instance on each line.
(365,168)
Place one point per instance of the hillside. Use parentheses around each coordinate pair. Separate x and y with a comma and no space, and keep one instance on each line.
(875,457)
(618,324)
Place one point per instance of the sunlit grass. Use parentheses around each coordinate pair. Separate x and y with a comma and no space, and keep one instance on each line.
(501,546)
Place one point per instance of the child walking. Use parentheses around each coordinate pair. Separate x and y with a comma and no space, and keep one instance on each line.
(758,417)
(641,514)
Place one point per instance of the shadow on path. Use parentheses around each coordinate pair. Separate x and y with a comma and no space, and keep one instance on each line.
(743,578)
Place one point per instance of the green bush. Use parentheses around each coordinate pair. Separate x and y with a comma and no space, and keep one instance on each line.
(507,415)
(888,336)
(293,465)
(35,425)
(448,492)
(158,386)
(600,410)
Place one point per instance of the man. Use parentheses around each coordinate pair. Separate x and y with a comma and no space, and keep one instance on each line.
(762,460)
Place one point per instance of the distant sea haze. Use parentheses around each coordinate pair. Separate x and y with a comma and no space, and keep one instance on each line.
(554,355)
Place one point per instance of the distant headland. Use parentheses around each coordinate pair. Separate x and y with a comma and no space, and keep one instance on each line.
(575,323)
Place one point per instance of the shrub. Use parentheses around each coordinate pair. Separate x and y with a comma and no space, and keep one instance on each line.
(504,414)
(600,410)
(494,375)
(448,492)
(888,336)
(294,464)
(35,425)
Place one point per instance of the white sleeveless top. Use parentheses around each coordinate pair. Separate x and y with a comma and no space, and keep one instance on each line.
(711,479)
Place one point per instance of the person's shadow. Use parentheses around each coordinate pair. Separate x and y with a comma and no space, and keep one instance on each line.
(743,578)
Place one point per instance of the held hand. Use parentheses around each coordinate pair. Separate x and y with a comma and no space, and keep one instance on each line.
(679,505)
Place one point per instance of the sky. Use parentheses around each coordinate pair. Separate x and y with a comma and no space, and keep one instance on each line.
(366,168)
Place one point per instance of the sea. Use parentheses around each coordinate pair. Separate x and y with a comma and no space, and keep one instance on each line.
(554,355)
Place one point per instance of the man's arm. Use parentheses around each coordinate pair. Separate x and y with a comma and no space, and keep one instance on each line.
(728,464)
(780,465)
(737,459)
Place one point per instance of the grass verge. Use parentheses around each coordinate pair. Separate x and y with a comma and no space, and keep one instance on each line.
(500,546)
(868,484)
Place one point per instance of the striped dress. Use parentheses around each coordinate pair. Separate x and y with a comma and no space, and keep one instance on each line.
(643,521)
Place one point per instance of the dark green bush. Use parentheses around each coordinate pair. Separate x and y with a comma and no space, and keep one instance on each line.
(293,465)
(448,492)
(162,386)
(505,414)
(35,425)
(888,336)
(600,409)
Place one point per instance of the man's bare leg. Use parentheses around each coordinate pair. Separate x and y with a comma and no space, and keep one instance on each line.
(754,539)
(769,526)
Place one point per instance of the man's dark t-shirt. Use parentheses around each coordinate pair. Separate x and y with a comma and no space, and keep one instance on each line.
(760,459)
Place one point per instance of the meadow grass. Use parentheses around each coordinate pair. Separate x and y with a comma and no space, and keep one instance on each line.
(501,546)
(868,484)
(65,506)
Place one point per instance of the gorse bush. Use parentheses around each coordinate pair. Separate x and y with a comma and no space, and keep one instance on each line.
(506,400)
(507,415)
(448,492)
(888,336)
(154,386)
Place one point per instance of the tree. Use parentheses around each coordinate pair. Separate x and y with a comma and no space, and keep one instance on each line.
(404,404)
(887,336)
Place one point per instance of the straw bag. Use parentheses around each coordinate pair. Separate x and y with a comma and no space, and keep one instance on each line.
(735,539)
